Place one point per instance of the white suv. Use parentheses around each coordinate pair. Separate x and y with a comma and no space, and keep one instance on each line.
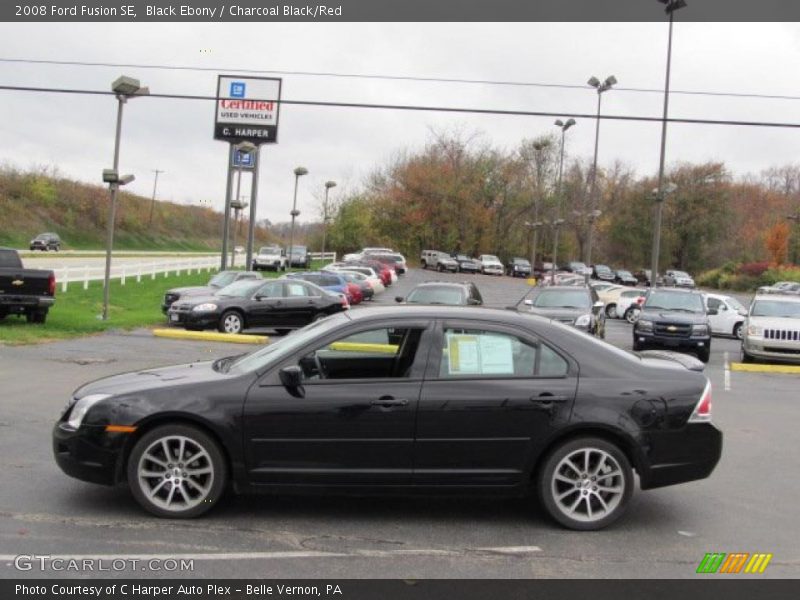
(490,264)
(270,258)
(772,329)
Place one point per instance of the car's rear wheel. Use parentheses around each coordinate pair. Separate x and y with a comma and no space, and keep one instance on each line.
(283,331)
(585,483)
(231,322)
(632,315)
(738,332)
(176,471)
(611,311)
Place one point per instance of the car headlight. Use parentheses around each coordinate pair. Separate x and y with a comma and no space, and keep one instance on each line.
(754,330)
(644,325)
(699,329)
(208,307)
(583,321)
(82,406)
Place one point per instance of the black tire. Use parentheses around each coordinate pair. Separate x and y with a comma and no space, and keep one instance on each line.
(210,487)
(630,315)
(637,346)
(737,331)
(227,320)
(439,268)
(611,311)
(3,315)
(283,331)
(424,265)
(613,468)
(704,354)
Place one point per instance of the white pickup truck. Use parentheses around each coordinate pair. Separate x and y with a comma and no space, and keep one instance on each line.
(270,258)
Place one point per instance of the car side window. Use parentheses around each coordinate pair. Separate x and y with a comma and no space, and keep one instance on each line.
(294,289)
(271,290)
(387,352)
(714,303)
(473,353)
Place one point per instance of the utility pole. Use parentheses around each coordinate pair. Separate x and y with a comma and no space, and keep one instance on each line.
(153,201)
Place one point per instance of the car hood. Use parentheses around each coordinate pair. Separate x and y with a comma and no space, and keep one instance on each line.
(559,313)
(273,256)
(774,322)
(138,381)
(194,300)
(492,263)
(206,290)
(673,317)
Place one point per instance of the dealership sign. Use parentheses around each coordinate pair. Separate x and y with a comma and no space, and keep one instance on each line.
(247,109)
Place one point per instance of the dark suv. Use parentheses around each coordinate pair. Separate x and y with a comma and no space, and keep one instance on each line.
(518,267)
(674,319)
(578,306)
(46,241)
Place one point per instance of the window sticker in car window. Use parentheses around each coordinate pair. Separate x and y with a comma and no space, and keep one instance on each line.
(479,354)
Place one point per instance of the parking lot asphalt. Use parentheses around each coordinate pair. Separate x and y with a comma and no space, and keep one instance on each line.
(747,505)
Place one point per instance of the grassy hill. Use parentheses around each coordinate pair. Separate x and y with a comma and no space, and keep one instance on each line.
(34,202)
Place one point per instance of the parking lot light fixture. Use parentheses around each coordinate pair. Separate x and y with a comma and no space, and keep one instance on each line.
(298,173)
(328,186)
(124,87)
(670,7)
(601,87)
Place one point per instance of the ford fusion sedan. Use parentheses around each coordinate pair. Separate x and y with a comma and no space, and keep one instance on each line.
(401,399)
(578,306)
(282,305)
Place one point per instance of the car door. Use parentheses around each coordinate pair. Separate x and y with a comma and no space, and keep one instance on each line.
(719,322)
(490,394)
(267,305)
(299,300)
(352,423)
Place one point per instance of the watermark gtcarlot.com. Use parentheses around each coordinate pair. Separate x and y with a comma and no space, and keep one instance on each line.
(97,564)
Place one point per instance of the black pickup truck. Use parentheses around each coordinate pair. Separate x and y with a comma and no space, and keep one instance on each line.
(29,292)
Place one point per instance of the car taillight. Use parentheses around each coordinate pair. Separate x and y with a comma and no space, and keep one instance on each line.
(640,300)
(702,412)
(51,285)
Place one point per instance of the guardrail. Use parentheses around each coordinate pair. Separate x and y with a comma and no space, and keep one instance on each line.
(323,256)
(124,271)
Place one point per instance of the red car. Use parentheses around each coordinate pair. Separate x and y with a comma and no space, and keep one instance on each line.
(354,294)
(384,271)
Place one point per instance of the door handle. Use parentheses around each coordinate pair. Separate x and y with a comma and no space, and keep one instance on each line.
(547,399)
(389,402)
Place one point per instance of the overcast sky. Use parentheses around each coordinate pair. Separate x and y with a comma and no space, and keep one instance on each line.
(75,133)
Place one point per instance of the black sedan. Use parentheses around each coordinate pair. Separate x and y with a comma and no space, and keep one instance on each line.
(624,277)
(465,263)
(280,305)
(518,267)
(216,283)
(402,399)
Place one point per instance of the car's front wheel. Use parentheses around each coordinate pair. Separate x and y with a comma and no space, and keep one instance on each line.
(176,471)
(611,311)
(704,354)
(231,322)
(585,483)
(632,315)
(738,332)
(746,358)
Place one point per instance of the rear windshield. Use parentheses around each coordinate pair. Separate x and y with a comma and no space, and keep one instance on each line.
(437,295)
(563,299)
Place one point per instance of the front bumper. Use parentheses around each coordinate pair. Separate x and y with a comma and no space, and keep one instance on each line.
(447,267)
(653,340)
(89,453)
(680,456)
(267,264)
(204,320)
(493,270)
(768,349)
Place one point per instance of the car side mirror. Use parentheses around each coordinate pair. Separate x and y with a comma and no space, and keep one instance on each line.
(529,302)
(712,312)
(473,301)
(398,298)
(597,306)
(292,377)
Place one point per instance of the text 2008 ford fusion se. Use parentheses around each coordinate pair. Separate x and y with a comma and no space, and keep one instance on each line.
(411,398)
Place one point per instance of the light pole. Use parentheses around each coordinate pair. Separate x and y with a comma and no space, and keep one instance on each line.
(153,201)
(557,220)
(796,235)
(535,226)
(670,8)
(298,173)
(124,88)
(600,87)
(328,186)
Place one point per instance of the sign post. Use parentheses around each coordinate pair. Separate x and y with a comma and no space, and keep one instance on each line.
(246,117)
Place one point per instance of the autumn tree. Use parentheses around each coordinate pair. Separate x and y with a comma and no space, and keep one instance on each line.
(776,243)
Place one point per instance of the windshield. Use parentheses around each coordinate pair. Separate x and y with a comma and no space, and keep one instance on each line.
(675,301)
(490,257)
(522,261)
(624,273)
(436,295)
(270,250)
(563,299)
(601,268)
(577,265)
(775,308)
(220,280)
(298,250)
(240,289)
(462,257)
(257,360)
(680,274)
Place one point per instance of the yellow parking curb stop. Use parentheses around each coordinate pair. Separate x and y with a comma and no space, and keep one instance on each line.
(210,336)
(756,368)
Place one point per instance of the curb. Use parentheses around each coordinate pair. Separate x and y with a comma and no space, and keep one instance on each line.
(208,336)
(756,368)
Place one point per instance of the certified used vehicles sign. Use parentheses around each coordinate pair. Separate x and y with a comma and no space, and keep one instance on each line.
(247,109)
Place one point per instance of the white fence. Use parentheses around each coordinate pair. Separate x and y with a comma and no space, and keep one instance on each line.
(323,256)
(136,271)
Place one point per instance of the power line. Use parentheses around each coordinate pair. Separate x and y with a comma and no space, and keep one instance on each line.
(565,86)
(422,108)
